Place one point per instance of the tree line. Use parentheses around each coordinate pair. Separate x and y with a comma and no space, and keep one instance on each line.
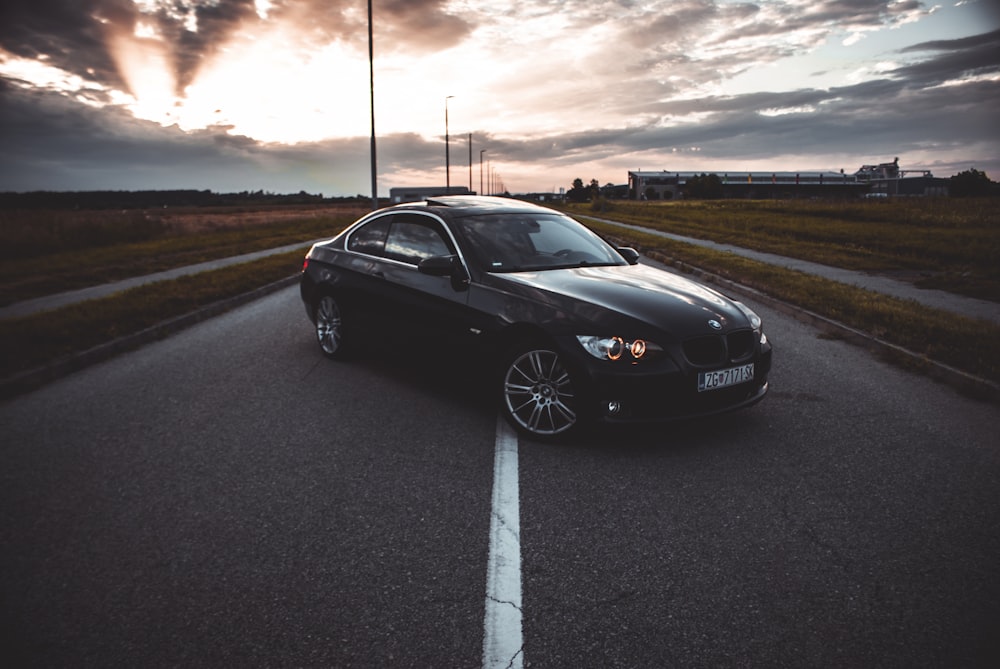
(147,199)
(972,183)
(593,191)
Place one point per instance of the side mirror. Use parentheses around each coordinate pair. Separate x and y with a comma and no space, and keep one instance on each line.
(630,255)
(437,265)
(449,266)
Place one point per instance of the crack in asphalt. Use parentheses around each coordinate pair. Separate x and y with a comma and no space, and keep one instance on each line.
(520,651)
(503,601)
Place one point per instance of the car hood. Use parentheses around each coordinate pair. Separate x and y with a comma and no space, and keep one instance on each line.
(664,300)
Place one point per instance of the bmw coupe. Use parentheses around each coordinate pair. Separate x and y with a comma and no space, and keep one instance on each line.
(573,330)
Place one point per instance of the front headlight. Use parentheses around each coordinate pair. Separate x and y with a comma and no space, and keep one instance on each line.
(755,321)
(617,348)
(749,313)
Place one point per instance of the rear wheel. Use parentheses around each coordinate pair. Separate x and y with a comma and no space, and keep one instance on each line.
(330,326)
(538,393)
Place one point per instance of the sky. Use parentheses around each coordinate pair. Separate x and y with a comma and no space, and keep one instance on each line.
(274,95)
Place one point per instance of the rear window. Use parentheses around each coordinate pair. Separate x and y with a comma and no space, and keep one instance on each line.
(370,238)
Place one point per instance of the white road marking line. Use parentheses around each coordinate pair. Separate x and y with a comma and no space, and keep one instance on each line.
(502,642)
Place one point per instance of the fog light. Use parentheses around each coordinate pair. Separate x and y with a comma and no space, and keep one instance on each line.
(614,408)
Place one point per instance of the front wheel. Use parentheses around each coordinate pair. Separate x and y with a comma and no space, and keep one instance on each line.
(538,394)
(330,326)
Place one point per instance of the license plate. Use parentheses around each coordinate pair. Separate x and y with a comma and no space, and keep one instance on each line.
(723,378)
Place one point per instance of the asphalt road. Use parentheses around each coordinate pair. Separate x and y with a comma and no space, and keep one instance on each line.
(227,497)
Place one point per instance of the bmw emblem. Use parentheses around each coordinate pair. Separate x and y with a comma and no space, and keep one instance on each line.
(714,324)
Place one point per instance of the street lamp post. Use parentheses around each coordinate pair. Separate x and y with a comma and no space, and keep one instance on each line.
(481,152)
(470,162)
(371,81)
(447,151)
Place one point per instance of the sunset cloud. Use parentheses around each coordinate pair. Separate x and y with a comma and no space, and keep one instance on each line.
(273,94)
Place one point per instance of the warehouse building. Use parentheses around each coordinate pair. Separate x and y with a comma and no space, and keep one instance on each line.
(751,185)
(882,180)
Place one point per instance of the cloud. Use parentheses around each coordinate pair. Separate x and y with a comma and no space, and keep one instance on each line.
(48,143)
(84,38)
(966,57)
(63,32)
(419,26)
(551,90)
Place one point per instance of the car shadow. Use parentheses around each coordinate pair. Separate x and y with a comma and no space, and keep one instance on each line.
(457,379)
(718,434)
(471,385)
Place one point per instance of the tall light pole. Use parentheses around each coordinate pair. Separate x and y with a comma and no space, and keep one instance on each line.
(371,81)
(481,152)
(470,162)
(447,154)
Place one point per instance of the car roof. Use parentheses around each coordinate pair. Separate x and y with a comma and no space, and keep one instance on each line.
(467,205)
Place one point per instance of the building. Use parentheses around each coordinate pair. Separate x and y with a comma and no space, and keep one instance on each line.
(418,193)
(750,185)
(884,179)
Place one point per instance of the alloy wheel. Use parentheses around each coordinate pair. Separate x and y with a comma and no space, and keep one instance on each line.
(538,393)
(329,326)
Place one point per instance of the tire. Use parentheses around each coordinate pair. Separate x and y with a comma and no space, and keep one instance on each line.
(537,393)
(330,327)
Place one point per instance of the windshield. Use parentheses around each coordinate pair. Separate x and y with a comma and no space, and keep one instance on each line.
(531,242)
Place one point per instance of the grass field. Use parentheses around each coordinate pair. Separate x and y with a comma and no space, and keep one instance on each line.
(947,243)
(46,252)
(951,242)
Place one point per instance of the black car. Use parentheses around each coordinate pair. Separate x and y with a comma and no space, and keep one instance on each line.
(574,329)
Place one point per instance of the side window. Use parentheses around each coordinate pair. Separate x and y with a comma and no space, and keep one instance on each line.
(413,238)
(370,238)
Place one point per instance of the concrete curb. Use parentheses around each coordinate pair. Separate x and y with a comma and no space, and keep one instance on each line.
(35,378)
(52,302)
(965,383)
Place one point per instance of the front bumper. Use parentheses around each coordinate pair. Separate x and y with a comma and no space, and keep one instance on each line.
(613,394)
